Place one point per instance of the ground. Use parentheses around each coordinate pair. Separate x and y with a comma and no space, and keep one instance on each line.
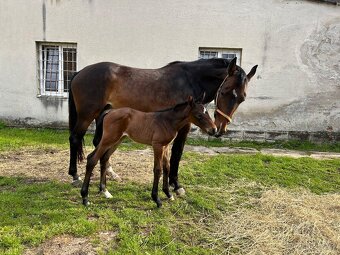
(304,219)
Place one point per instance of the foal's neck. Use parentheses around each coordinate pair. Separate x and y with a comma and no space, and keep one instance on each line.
(176,120)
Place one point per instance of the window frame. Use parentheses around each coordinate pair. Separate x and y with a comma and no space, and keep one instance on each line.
(221,51)
(42,72)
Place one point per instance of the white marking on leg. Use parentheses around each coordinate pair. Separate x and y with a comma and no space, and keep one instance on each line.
(107,194)
(77,183)
(171,198)
(180,192)
(113,175)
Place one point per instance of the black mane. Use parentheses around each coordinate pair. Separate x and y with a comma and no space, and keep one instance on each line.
(213,62)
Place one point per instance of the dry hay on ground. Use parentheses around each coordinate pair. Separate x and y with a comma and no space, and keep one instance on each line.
(280,222)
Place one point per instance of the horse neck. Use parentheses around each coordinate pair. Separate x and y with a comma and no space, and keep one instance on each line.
(215,76)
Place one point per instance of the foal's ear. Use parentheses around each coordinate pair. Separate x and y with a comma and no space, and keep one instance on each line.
(232,66)
(251,73)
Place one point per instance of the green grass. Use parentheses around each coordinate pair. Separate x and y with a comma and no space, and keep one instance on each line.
(318,176)
(32,211)
(289,145)
(15,138)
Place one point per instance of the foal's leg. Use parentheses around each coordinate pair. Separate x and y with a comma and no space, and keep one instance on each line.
(166,171)
(177,150)
(92,160)
(104,161)
(157,171)
(96,140)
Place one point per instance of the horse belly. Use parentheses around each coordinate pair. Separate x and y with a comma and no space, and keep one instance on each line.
(140,137)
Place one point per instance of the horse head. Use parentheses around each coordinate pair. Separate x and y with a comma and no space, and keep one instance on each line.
(230,95)
(200,116)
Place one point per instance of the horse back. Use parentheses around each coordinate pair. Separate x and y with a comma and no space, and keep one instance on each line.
(104,83)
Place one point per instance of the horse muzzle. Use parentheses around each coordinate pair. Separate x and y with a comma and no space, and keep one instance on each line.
(212,131)
(221,131)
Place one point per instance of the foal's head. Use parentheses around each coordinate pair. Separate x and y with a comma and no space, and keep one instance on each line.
(231,94)
(199,116)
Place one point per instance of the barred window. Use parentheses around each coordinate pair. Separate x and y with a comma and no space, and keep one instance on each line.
(226,53)
(57,63)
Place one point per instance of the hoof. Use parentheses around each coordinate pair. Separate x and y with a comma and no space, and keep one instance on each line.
(86,202)
(77,182)
(159,205)
(107,194)
(180,192)
(171,198)
(114,176)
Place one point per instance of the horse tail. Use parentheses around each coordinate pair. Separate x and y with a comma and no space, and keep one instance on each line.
(99,125)
(72,112)
(72,119)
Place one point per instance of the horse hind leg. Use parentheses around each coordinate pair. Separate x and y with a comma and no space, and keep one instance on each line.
(104,162)
(97,137)
(76,148)
(92,160)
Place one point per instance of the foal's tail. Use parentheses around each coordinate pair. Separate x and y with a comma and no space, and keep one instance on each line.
(72,120)
(99,125)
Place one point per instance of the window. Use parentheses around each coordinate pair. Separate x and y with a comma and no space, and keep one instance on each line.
(226,53)
(56,64)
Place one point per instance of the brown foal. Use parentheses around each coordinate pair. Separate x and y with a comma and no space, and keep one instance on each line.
(157,129)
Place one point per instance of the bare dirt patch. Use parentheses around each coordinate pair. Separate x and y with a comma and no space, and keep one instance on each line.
(69,245)
(44,165)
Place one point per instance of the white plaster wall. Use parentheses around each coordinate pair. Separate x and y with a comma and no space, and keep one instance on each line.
(296,86)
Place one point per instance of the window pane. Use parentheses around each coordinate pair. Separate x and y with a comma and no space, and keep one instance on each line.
(228,56)
(70,65)
(51,67)
(208,54)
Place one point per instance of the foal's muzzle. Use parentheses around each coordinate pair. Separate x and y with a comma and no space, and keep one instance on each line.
(212,131)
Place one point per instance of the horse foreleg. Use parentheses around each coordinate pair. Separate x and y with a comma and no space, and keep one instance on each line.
(166,171)
(176,154)
(91,163)
(157,171)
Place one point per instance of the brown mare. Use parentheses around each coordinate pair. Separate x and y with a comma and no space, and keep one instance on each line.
(157,129)
(108,85)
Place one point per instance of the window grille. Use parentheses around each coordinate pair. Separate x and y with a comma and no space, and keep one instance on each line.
(226,53)
(56,64)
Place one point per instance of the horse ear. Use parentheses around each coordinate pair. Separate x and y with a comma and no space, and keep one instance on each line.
(232,66)
(252,72)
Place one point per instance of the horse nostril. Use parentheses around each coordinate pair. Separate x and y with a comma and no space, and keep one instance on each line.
(217,135)
(212,131)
